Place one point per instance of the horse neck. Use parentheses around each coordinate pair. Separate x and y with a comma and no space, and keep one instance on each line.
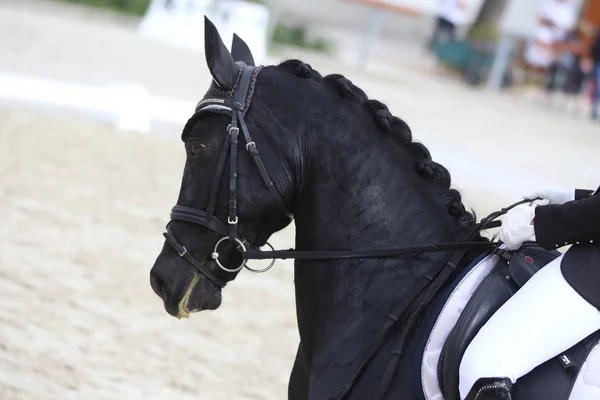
(361,191)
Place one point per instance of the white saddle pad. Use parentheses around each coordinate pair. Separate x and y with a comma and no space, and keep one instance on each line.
(451,311)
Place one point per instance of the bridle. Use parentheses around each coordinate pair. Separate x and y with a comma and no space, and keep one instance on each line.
(424,290)
(206,218)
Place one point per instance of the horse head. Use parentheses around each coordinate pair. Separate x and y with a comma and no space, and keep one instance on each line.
(210,186)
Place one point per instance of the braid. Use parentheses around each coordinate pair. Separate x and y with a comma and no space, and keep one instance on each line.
(424,166)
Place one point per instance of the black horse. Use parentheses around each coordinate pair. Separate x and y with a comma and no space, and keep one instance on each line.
(353,178)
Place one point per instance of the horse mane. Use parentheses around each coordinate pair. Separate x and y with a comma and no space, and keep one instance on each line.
(436,174)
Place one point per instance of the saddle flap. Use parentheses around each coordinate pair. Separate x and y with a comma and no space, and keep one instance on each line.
(493,292)
(511,272)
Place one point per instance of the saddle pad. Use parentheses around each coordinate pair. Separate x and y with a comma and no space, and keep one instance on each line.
(446,321)
(587,385)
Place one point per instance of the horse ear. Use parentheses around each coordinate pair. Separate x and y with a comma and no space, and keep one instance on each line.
(241,52)
(218,58)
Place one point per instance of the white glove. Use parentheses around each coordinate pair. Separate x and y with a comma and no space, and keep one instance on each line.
(517,225)
(554,195)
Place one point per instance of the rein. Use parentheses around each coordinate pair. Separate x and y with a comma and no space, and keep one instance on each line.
(368,253)
(486,223)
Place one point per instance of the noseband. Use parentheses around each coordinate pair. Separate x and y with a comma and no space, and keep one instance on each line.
(206,218)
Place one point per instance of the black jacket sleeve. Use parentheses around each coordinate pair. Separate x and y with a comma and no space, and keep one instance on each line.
(570,223)
(582,193)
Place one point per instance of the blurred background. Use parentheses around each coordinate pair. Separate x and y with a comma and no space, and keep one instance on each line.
(93,97)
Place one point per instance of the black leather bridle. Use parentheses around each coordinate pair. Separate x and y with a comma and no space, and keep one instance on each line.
(423,291)
(207,217)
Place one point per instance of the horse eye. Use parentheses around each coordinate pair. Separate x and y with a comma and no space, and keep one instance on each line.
(198,148)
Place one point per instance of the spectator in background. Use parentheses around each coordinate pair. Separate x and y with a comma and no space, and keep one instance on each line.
(452,13)
(538,53)
(559,16)
(571,67)
(556,19)
(595,54)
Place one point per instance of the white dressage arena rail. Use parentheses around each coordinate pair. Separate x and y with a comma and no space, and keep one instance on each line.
(129,106)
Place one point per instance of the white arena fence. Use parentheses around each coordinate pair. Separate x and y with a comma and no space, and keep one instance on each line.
(128,106)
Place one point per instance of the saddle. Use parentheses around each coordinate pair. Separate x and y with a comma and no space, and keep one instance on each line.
(511,271)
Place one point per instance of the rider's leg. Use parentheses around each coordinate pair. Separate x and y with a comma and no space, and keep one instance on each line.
(545,317)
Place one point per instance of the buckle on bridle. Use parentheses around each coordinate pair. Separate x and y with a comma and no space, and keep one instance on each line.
(234,130)
(232,221)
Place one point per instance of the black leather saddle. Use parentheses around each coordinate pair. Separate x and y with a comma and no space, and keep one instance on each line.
(512,271)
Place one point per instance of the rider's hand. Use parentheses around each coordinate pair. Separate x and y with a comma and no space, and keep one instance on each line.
(517,225)
(554,195)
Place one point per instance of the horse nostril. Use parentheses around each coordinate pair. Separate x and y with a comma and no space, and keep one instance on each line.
(157,285)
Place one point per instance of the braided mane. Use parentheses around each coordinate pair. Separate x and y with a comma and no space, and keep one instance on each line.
(433,172)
